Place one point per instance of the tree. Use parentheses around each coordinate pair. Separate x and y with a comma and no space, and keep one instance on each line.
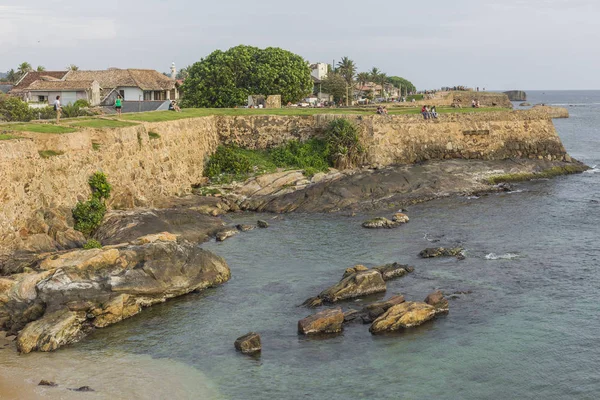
(227,78)
(335,85)
(72,67)
(24,68)
(182,73)
(347,69)
(362,78)
(405,85)
(40,68)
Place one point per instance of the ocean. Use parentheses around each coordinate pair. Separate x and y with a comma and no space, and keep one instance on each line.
(523,325)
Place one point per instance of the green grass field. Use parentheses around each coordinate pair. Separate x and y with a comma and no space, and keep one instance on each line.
(102,123)
(161,116)
(4,136)
(37,128)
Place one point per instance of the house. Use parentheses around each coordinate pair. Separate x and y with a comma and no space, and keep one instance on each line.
(319,70)
(131,84)
(21,87)
(99,88)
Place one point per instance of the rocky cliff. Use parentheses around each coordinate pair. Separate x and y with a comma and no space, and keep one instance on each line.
(147,169)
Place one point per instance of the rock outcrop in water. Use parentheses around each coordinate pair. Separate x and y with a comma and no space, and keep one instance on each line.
(410,314)
(327,321)
(61,297)
(359,281)
(433,252)
(249,343)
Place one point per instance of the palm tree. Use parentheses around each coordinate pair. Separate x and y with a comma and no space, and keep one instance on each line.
(347,69)
(382,82)
(12,76)
(24,68)
(362,78)
(376,77)
(72,67)
(40,68)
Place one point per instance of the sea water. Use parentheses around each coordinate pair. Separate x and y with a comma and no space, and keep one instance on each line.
(523,323)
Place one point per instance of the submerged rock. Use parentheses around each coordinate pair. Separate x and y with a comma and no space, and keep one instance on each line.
(441,252)
(68,294)
(394,270)
(380,223)
(438,301)
(327,321)
(400,218)
(226,234)
(44,382)
(249,343)
(245,228)
(262,224)
(82,389)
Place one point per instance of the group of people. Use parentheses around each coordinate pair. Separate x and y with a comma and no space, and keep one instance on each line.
(382,110)
(475,104)
(429,113)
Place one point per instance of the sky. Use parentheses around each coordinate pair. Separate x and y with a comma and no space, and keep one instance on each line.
(499,45)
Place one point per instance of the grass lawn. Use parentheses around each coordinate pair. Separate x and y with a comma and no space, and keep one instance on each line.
(100,123)
(160,116)
(38,128)
(8,137)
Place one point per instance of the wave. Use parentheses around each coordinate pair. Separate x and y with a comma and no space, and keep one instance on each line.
(507,256)
(592,170)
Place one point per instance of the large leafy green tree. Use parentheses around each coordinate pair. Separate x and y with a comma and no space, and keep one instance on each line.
(335,85)
(402,83)
(227,78)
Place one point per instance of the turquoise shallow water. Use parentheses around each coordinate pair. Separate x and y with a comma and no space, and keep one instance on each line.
(527,330)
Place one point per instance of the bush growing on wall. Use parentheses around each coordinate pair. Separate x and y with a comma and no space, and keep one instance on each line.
(227,160)
(344,149)
(89,214)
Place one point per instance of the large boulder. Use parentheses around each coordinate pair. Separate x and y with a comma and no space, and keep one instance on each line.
(372,311)
(359,284)
(249,343)
(327,321)
(67,294)
(404,315)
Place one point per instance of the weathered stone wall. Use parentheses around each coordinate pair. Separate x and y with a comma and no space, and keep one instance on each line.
(145,171)
(486,99)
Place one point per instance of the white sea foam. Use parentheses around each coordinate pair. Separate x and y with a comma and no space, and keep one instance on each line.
(592,170)
(507,256)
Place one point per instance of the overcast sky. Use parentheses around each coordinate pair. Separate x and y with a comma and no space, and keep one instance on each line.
(496,44)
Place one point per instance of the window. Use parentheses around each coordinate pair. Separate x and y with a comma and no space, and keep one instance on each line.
(147,95)
(42,99)
(122,93)
(160,95)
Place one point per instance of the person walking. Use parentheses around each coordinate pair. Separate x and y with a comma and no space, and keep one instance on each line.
(118,104)
(57,108)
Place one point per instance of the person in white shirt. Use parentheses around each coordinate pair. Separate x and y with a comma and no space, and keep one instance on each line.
(57,108)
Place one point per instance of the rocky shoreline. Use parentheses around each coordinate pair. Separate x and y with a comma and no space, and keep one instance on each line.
(53,293)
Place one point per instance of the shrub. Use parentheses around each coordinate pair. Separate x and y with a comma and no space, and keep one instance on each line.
(14,109)
(309,155)
(89,214)
(227,160)
(153,135)
(100,186)
(81,103)
(92,244)
(50,153)
(344,149)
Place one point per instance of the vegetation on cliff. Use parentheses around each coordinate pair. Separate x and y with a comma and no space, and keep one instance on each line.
(227,78)
(545,174)
(340,148)
(89,214)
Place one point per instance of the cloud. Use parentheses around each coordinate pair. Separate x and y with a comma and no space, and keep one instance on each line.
(26,27)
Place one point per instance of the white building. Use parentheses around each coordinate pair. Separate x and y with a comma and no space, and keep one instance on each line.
(319,70)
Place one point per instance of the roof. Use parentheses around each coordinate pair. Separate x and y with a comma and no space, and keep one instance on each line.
(145,79)
(60,85)
(33,76)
